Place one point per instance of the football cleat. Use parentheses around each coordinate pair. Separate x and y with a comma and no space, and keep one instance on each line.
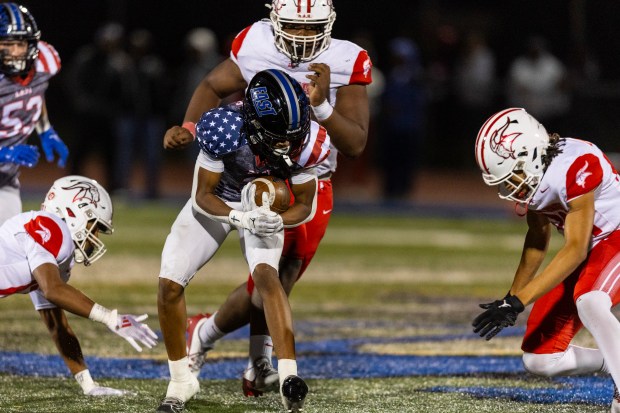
(259,378)
(196,350)
(293,391)
(171,405)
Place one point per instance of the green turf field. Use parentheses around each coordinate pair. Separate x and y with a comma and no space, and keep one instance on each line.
(373,277)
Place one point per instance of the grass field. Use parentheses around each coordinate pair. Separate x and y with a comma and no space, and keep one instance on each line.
(382,316)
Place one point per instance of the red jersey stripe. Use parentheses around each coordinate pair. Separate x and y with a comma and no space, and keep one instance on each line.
(238,41)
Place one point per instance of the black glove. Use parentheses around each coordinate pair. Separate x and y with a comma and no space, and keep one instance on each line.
(498,315)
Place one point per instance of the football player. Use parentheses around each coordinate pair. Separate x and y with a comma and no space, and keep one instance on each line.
(268,133)
(38,250)
(26,65)
(334,73)
(571,185)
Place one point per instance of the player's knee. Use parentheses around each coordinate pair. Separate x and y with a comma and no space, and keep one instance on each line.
(592,305)
(169,291)
(541,364)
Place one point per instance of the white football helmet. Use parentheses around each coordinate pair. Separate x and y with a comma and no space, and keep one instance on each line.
(79,201)
(319,13)
(509,151)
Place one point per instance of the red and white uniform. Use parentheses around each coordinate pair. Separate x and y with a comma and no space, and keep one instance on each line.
(27,241)
(254,50)
(580,168)
(21,103)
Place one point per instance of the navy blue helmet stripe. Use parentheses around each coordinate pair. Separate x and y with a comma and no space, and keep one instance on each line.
(291,97)
(16,16)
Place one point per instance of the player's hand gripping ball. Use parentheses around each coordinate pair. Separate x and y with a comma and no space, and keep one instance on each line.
(279,194)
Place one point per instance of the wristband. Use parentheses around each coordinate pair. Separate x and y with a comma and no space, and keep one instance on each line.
(102,315)
(191,127)
(85,381)
(323,111)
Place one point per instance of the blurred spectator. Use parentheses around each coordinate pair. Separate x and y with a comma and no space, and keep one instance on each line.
(475,88)
(100,90)
(538,82)
(401,119)
(201,55)
(142,128)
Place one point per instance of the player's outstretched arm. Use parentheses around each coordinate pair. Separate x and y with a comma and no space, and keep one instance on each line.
(224,80)
(70,350)
(128,326)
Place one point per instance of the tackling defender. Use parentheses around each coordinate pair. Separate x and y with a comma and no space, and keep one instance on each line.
(38,250)
(268,133)
(26,65)
(334,73)
(570,184)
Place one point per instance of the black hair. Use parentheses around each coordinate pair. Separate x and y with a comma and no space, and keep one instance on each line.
(556,143)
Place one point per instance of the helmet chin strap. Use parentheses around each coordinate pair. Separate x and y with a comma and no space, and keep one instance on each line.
(287,160)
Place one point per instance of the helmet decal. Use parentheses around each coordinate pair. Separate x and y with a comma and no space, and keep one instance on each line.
(262,104)
(86,191)
(502,143)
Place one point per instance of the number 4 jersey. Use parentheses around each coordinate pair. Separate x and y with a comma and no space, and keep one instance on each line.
(21,100)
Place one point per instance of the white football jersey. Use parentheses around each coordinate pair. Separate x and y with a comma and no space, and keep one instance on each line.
(27,241)
(581,168)
(254,50)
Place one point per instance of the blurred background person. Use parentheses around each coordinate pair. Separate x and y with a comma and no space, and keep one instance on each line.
(475,88)
(538,81)
(100,91)
(401,119)
(142,127)
(201,55)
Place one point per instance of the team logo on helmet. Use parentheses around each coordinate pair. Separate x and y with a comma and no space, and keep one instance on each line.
(502,143)
(85,191)
(262,104)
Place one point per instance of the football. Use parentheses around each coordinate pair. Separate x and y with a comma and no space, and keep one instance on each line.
(279,194)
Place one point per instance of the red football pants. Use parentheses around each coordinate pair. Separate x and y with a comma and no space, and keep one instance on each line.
(554,321)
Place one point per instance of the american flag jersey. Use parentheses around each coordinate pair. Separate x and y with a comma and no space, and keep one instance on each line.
(580,168)
(21,106)
(220,135)
(254,50)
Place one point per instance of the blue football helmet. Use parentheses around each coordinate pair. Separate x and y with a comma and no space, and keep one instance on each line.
(276,111)
(16,23)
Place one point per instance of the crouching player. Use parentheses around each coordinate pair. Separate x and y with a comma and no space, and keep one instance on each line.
(38,250)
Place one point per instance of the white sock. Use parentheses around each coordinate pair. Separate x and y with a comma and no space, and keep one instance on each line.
(595,312)
(286,367)
(179,369)
(85,381)
(209,333)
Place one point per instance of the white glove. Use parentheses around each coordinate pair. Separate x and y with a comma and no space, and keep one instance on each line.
(131,328)
(260,221)
(108,391)
(248,194)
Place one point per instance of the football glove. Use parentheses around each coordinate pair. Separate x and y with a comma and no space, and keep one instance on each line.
(98,391)
(497,316)
(131,328)
(24,155)
(259,221)
(248,194)
(52,144)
